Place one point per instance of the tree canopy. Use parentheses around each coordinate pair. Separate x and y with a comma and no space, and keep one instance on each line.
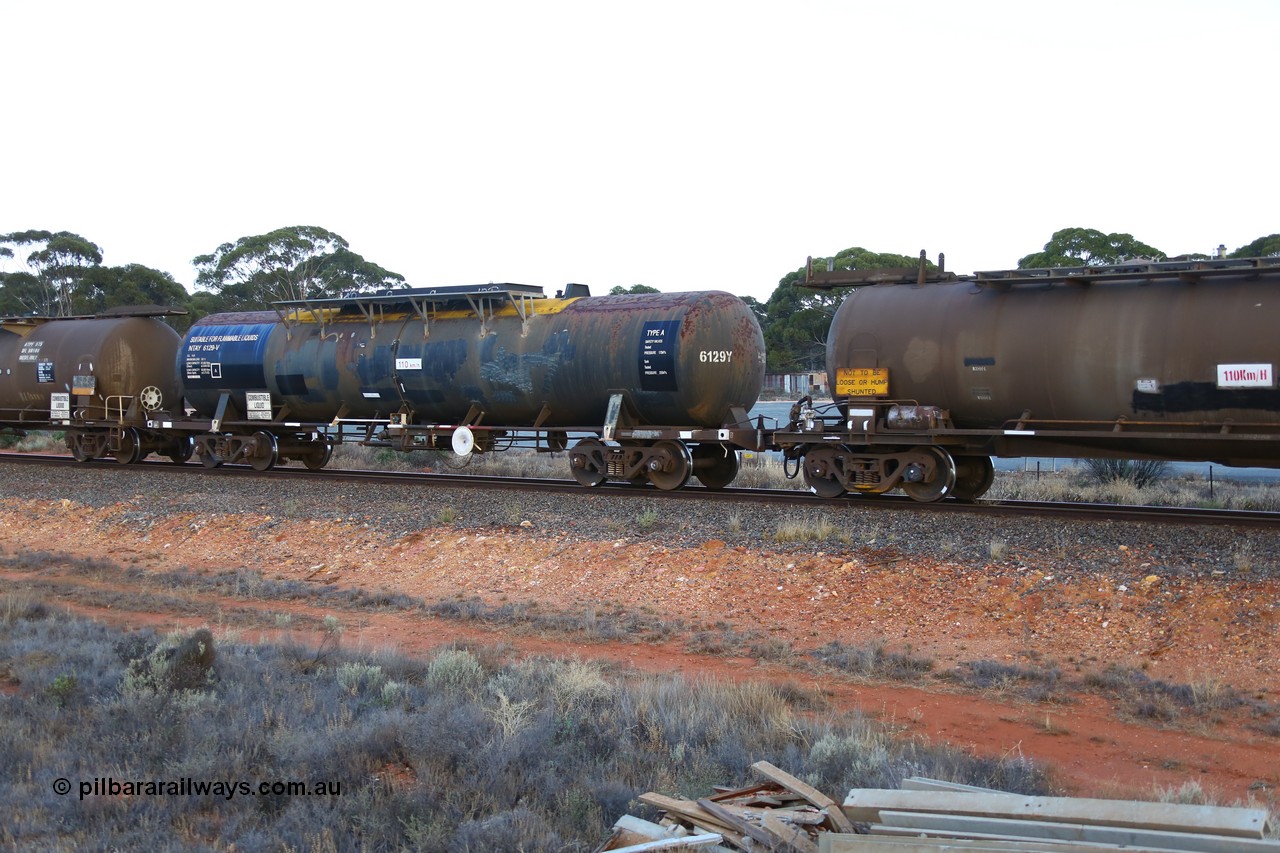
(1263,247)
(56,262)
(796,319)
(1087,247)
(298,262)
(620,290)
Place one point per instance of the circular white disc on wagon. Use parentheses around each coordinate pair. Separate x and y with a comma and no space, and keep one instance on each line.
(464,441)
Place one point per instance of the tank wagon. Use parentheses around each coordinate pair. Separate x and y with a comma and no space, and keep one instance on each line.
(102,380)
(654,387)
(936,373)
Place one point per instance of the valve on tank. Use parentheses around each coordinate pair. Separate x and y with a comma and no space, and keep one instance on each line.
(803,416)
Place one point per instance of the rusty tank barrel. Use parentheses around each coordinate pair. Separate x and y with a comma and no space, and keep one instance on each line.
(679,358)
(1162,346)
(103,363)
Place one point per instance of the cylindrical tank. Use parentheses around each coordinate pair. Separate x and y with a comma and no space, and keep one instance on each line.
(1161,348)
(682,358)
(103,362)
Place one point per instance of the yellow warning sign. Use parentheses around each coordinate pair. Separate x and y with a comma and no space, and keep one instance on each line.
(862,382)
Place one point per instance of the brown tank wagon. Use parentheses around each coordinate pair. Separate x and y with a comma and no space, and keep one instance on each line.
(935,373)
(98,379)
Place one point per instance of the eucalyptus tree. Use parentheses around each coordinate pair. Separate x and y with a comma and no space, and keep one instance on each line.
(1088,247)
(1263,247)
(796,319)
(298,262)
(56,262)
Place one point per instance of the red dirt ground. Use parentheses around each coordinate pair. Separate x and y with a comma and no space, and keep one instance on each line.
(1211,633)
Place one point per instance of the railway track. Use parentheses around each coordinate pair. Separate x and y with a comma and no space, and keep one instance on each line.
(626,491)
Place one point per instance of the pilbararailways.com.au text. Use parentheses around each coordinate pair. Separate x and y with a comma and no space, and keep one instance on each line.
(227,789)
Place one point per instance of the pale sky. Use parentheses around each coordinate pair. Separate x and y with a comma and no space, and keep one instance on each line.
(683,145)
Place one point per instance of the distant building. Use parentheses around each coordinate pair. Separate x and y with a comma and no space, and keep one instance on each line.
(795,385)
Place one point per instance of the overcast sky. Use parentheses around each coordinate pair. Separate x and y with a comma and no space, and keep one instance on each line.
(682,145)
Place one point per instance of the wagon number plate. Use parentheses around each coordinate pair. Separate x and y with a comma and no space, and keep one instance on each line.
(862,381)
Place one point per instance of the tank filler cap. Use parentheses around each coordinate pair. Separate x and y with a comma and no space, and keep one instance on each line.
(464,441)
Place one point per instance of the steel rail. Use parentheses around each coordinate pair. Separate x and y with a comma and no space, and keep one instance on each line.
(790,497)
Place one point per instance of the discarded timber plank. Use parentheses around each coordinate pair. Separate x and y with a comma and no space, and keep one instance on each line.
(920,783)
(807,817)
(833,842)
(638,826)
(774,774)
(755,833)
(866,804)
(690,812)
(793,836)
(968,826)
(630,830)
(765,789)
(689,841)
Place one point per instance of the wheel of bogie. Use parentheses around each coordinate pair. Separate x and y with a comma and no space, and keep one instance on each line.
(715,465)
(940,484)
(670,465)
(318,456)
(586,461)
(974,475)
(208,458)
(130,447)
(181,450)
(820,473)
(76,446)
(266,451)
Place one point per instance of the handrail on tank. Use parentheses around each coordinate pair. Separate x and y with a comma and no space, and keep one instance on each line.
(121,402)
(1187,270)
(482,299)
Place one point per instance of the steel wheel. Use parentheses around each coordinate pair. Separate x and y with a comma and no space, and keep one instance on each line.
(180,452)
(715,465)
(670,465)
(942,481)
(266,452)
(318,456)
(208,458)
(974,475)
(76,446)
(586,461)
(820,467)
(130,447)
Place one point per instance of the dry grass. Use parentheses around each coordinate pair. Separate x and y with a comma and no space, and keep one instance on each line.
(1073,485)
(810,528)
(465,750)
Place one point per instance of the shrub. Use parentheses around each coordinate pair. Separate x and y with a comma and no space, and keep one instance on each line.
(451,755)
(873,660)
(1140,472)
